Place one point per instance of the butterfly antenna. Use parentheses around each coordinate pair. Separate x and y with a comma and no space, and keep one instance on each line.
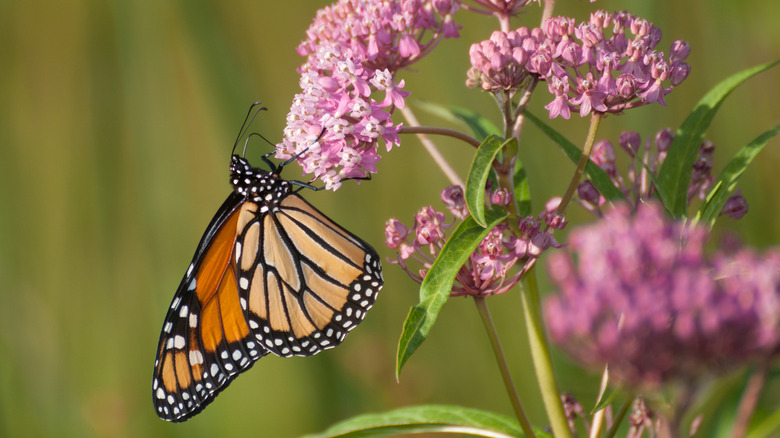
(274,168)
(264,139)
(254,109)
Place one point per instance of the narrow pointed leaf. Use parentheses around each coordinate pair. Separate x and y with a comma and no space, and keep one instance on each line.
(603,402)
(481,168)
(597,176)
(436,287)
(479,125)
(723,187)
(426,418)
(675,173)
(766,427)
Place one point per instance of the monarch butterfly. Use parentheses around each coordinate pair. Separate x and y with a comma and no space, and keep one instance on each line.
(271,274)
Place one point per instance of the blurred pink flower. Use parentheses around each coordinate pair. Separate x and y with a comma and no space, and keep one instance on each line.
(638,293)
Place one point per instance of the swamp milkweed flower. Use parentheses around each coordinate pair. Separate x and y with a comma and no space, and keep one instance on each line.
(504,8)
(638,293)
(607,64)
(489,269)
(353,51)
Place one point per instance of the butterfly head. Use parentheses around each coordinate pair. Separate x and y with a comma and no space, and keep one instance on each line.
(262,186)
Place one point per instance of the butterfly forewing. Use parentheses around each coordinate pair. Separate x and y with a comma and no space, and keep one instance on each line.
(205,340)
(271,274)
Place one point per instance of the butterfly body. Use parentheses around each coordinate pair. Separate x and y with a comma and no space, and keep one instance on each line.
(272,274)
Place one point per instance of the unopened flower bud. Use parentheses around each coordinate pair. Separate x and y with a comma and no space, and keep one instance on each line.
(680,71)
(736,206)
(680,49)
(455,201)
(500,197)
(663,139)
(630,142)
(588,193)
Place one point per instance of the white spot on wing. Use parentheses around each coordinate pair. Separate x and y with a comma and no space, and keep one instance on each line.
(196,357)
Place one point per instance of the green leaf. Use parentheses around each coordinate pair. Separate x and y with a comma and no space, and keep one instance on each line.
(603,402)
(675,173)
(522,189)
(479,125)
(766,427)
(723,187)
(426,418)
(436,287)
(481,168)
(597,176)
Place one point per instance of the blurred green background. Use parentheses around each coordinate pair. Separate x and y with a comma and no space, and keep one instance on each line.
(116,123)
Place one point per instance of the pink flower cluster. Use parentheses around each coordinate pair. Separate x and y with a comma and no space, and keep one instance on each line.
(348,88)
(607,65)
(502,62)
(638,184)
(488,269)
(638,293)
(504,8)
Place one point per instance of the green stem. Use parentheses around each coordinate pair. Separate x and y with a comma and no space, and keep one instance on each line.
(595,120)
(619,417)
(521,106)
(509,384)
(435,130)
(540,353)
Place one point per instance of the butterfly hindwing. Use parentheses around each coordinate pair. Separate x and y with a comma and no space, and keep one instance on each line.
(306,281)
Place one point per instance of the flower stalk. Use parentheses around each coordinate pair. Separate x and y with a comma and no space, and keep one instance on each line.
(595,120)
(503,367)
(437,130)
(540,353)
(619,416)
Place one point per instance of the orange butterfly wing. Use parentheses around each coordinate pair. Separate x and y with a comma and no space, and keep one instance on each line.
(205,342)
(271,274)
